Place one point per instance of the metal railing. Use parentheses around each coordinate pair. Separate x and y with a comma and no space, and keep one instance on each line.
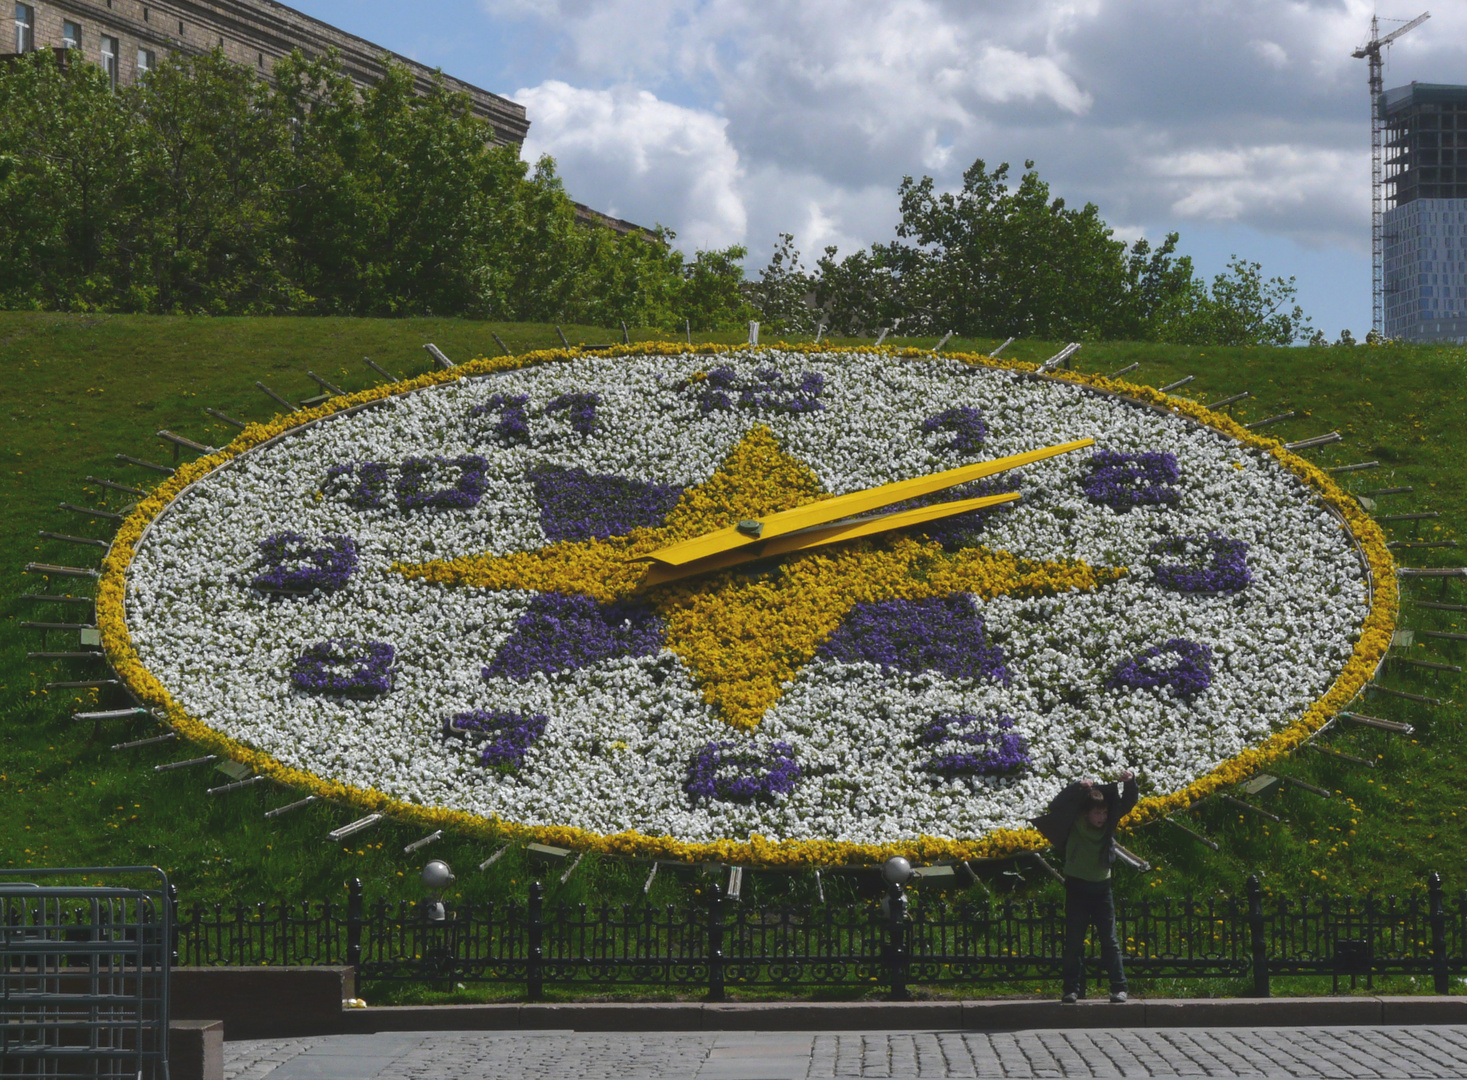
(84,975)
(713,942)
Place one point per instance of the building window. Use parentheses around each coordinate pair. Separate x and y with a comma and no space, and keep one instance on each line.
(146,61)
(180,28)
(25,28)
(260,59)
(145,15)
(71,35)
(109,58)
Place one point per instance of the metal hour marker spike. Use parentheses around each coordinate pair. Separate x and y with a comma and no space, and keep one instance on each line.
(111,714)
(154,741)
(353,827)
(125,488)
(1318,440)
(492,859)
(945,339)
(289,405)
(1240,804)
(84,541)
(184,443)
(61,571)
(886,329)
(231,421)
(1378,723)
(571,869)
(438,358)
(1403,694)
(393,378)
(104,515)
(235,785)
(424,842)
(288,807)
(330,388)
(185,764)
(1124,371)
(1354,468)
(1169,387)
(1225,402)
(652,874)
(995,352)
(1213,844)
(1270,420)
(1342,756)
(143,464)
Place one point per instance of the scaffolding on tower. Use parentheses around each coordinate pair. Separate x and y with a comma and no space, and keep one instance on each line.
(1371,51)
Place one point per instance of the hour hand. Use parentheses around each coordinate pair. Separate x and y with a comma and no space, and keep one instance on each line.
(825,511)
(818,536)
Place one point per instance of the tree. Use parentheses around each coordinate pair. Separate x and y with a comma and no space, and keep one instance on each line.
(1242,308)
(67,139)
(206,216)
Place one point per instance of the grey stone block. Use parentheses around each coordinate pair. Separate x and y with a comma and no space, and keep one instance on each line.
(196,1050)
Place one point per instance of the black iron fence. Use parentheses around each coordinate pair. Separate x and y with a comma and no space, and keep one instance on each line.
(715,942)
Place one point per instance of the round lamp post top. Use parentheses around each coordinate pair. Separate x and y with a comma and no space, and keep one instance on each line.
(897,870)
(437,876)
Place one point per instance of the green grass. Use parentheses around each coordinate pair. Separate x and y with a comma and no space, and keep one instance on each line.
(80,389)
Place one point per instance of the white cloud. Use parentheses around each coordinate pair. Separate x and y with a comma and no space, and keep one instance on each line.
(1271,53)
(631,155)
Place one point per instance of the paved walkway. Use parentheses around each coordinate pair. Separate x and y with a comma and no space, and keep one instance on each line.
(1337,1052)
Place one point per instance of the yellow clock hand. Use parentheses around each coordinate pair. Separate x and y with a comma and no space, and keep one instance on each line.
(817,536)
(842,506)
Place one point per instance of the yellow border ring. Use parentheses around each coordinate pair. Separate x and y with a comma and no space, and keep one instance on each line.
(1370,650)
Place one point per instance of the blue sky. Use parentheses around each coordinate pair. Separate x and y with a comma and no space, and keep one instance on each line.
(1241,124)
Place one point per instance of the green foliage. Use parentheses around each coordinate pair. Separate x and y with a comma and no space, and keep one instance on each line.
(202,189)
(1242,308)
(1012,261)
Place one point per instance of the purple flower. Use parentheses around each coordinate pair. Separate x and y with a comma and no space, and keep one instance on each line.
(1183,665)
(340,666)
(1225,569)
(966,424)
(294,563)
(575,505)
(513,425)
(363,484)
(565,633)
(969,747)
(580,409)
(1122,481)
(768,389)
(729,771)
(414,492)
(502,738)
(942,634)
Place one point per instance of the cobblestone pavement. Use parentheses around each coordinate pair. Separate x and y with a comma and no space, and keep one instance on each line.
(1387,1052)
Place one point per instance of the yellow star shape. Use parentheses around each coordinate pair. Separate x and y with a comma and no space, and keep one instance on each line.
(746,636)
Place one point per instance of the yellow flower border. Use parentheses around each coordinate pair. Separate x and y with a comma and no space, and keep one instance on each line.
(1370,650)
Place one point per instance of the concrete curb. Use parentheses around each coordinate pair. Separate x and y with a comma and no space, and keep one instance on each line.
(897,1016)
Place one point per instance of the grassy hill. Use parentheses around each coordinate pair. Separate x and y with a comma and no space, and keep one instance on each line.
(81,389)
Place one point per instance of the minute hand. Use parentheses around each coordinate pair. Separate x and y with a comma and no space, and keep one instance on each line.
(849,505)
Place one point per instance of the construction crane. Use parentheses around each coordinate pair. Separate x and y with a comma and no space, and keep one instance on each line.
(1371,51)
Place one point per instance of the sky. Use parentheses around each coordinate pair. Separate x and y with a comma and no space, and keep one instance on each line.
(1243,125)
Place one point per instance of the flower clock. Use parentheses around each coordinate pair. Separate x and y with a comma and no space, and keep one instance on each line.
(779,606)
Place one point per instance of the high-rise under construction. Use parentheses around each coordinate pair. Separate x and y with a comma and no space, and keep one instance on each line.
(1424,225)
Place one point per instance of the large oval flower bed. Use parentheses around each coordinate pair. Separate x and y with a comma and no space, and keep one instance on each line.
(425,600)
